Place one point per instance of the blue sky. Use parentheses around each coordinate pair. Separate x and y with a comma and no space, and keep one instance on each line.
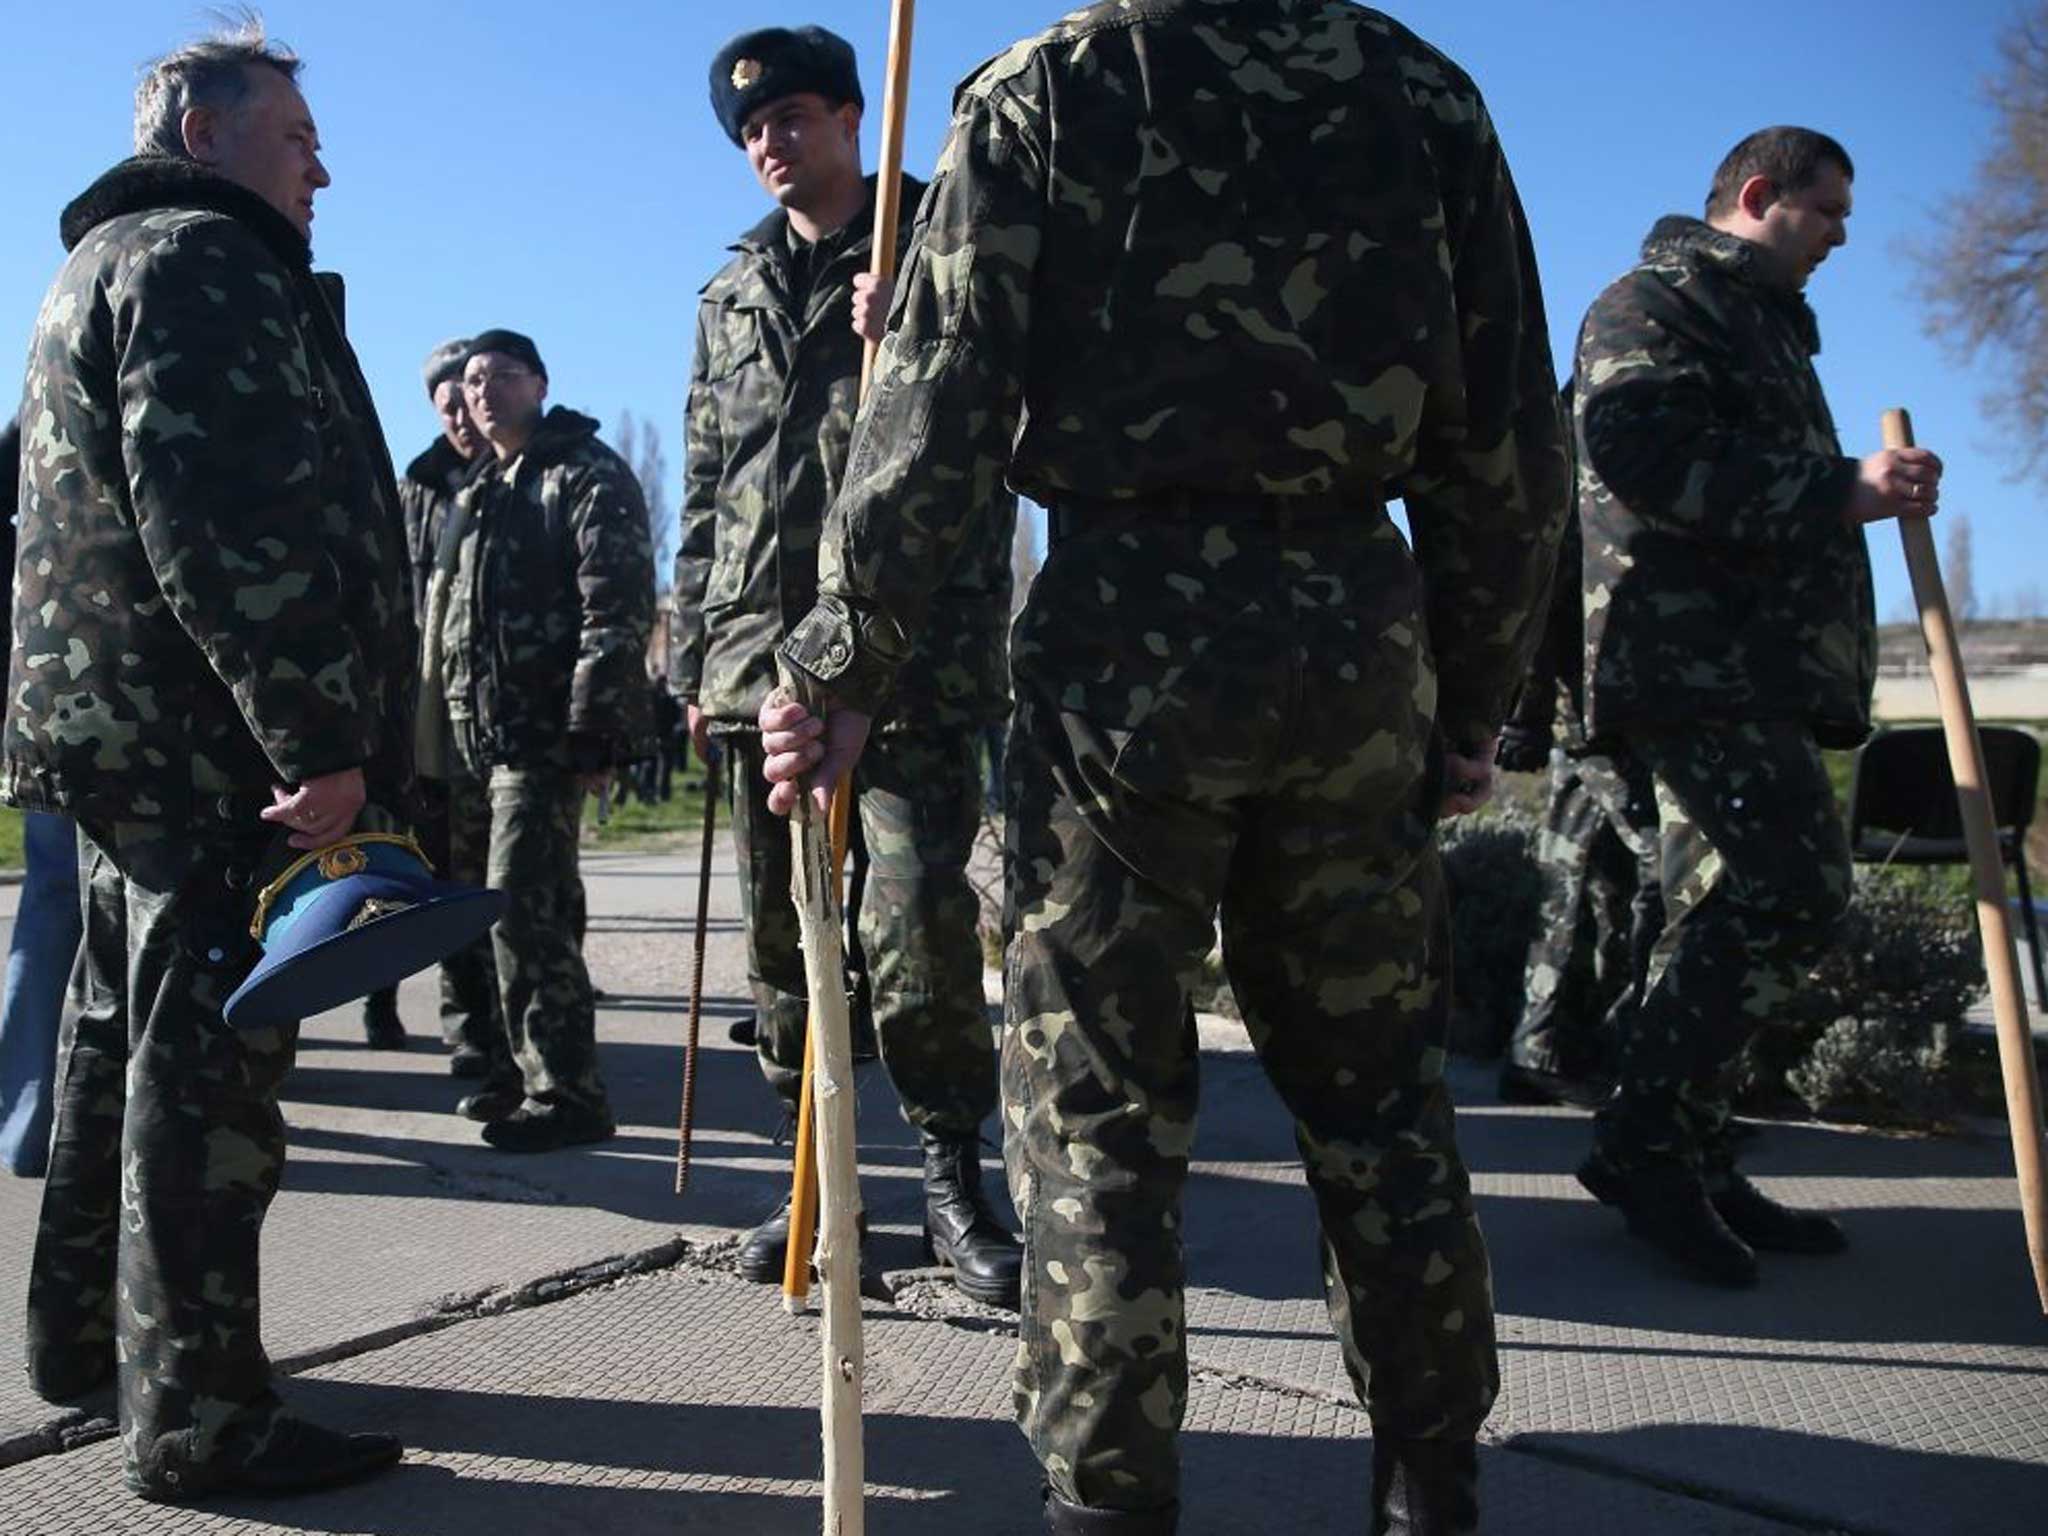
(557,169)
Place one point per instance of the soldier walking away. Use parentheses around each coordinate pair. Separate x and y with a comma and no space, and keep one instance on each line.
(1283,237)
(208,517)
(469,979)
(542,600)
(773,388)
(1602,906)
(1730,636)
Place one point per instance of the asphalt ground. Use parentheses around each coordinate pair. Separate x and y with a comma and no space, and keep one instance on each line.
(563,1346)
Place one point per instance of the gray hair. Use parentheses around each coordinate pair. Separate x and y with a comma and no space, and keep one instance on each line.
(213,72)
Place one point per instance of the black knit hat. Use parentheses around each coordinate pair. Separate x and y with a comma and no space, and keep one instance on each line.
(445,363)
(764,66)
(511,343)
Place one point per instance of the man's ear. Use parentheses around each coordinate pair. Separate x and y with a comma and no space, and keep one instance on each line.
(200,129)
(1756,196)
(849,118)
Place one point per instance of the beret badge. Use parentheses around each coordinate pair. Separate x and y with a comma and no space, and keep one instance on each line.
(746,72)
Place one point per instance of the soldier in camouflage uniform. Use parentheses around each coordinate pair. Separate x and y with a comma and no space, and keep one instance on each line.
(1729,637)
(540,608)
(1283,237)
(1602,908)
(469,980)
(211,643)
(773,387)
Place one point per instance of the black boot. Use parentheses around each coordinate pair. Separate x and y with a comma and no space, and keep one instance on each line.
(382,1027)
(1763,1223)
(290,1455)
(1424,1487)
(1667,1206)
(1064,1519)
(959,1230)
(763,1251)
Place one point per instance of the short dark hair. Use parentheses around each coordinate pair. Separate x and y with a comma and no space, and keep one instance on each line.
(213,72)
(1788,158)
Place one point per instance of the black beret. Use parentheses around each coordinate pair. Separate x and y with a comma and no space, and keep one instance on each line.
(759,67)
(511,343)
(445,363)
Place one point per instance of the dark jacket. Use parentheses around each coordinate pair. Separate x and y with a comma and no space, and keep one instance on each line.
(211,588)
(1721,581)
(550,604)
(774,386)
(426,491)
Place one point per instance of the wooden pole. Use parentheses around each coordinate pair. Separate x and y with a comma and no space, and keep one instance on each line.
(1987,871)
(803,1189)
(796,1276)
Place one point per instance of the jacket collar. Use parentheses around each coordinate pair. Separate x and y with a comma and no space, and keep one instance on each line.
(1696,243)
(145,183)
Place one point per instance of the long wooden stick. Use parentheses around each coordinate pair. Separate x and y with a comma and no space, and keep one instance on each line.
(803,1188)
(1987,870)
(796,1278)
(830,1052)
(686,1120)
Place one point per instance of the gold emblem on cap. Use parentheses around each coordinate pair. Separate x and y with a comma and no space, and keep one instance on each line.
(746,72)
(344,859)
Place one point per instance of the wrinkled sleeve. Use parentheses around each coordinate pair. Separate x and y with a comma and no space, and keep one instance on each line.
(697,547)
(221,437)
(1487,498)
(942,413)
(1652,434)
(608,696)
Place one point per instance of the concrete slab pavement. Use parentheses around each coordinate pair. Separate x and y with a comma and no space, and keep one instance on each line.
(563,1342)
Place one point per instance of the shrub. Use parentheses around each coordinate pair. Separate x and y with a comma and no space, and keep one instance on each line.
(1496,894)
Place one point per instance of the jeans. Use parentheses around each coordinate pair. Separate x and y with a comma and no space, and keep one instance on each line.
(46,932)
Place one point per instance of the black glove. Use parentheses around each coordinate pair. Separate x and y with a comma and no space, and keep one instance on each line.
(1522,750)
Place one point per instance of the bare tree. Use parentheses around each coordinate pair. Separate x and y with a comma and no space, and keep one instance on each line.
(1956,574)
(638,442)
(1985,276)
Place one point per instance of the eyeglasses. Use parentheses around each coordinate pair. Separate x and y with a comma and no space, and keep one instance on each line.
(478,383)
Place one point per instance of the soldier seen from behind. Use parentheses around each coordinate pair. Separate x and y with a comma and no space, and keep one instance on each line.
(1214,281)
(539,607)
(773,387)
(212,642)
(1730,636)
(469,980)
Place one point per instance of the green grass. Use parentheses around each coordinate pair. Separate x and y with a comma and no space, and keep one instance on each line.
(637,825)
(10,838)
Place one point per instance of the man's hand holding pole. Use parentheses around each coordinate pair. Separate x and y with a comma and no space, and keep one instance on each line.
(804,751)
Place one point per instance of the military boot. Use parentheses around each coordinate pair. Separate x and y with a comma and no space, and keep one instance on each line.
(1424,1487)
(960,1232)
(763,1250)
(1064,1519)
(1764,1223)
(283,1455)
(382,1027)
(1666,1205)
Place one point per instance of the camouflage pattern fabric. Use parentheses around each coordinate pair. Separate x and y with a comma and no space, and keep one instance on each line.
(1721,580)
(774,382)
(471,1011)
(425,492)
(919,807)
(1072,217)
(543,985)
(1231,671)
(189,394)
(1756,878)
(168,1148)
(1275,763)
(550,598)
(1602,913)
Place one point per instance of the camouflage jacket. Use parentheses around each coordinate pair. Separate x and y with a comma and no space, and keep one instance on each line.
(773,388)
(546,622)
(1302,270)
(211,584)
(1553,697)
(1720,579)
(426,491)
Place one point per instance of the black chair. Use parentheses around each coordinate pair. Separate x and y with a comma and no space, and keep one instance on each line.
(1902,807)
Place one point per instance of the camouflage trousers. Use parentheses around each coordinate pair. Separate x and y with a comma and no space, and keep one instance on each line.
(1602,912)
(167,1151)
(1247,731)
(469,977)
(919,807)
(1756,878)
(518,834)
